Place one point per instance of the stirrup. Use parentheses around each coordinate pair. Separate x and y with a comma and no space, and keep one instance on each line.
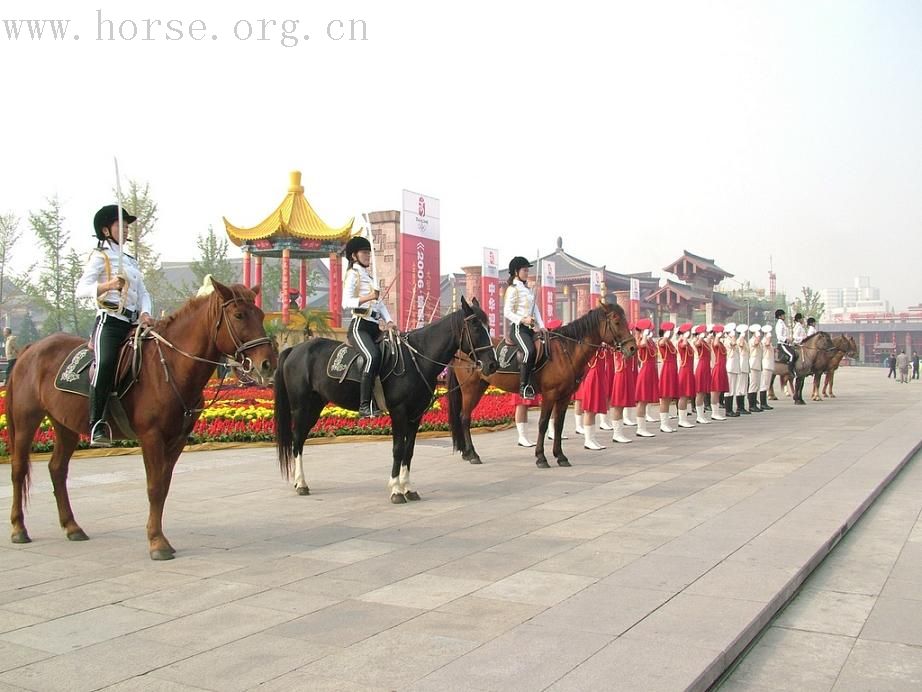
(367,410)
(528,392)
(98,436)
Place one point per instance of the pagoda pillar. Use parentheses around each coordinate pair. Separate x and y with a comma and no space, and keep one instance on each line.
(336,290)
(302,284)
(246,268)
(286,285)
(582,299)
(258,279)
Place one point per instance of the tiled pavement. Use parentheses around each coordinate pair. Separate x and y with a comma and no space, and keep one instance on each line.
(645,566)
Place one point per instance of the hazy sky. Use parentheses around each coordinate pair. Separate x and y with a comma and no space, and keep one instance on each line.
(738,130)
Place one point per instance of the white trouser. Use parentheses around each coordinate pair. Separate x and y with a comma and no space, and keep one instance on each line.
(733,377)
(742,384)
(755,381)
(766,380)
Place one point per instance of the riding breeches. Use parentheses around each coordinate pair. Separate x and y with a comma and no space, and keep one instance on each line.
(108,337)
(525,338)
(789,351)
(363,334)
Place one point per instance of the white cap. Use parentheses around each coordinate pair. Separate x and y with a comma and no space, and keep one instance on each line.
(742,328)
(729,327)
(766,329)
(754,328)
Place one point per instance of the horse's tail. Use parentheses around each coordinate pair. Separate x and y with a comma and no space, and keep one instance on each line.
(284,439)
(11,437)
(455,404)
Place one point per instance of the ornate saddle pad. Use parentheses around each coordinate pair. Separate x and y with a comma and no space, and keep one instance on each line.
(347,362)
(509,356)
(77,369)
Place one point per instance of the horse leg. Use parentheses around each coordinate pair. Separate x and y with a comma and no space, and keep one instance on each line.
(467,412)
(815,393)
(830,379)
(408,492)
(64,446)
(158,465)
(771,388)
(560,414)
(305,418)
(798,389)
(540,459)
(399,428)
(21,447)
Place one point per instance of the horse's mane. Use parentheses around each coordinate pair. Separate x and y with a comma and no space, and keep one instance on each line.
(587,325)
(193,305)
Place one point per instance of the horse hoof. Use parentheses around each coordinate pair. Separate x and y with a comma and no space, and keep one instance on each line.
(542,464)
(398,499)
(412,496)
(563,461)
(161,554)
(303,491)
(798,402)
(20,537)
(77,535)
(475,459)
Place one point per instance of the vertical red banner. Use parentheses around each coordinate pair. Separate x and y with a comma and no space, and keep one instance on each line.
(635,300)
(490,298)
(419,267)
(336,290)
(548,289)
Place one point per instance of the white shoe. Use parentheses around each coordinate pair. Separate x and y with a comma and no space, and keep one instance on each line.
(578,423)
(683,420)
(618,434)
(664,423)
(642,429)
(550,433)
(629,416)
(716,414)
(603,421)
(650,419)
(589,441)
(523,441)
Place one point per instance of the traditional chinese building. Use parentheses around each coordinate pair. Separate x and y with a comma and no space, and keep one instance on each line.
(293,231)
(684,301)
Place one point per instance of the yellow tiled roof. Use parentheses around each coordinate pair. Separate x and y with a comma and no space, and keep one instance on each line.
(294,217)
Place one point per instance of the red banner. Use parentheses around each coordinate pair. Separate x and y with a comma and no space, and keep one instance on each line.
(419,261)
(595,287)
(635,300)
(548,289)
(336,290)
(490,297)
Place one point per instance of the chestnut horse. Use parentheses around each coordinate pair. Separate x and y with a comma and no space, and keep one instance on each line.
(813,356)
(161,407)
(571,348)
(847,347)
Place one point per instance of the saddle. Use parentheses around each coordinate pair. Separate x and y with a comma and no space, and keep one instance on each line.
(509,355)
(346,364)
(78,368)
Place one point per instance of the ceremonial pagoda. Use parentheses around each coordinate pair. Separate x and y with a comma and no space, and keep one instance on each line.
(293,231)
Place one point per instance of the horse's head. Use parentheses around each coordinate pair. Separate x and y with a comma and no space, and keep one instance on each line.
(852,351)
(475,337)
(823,341)
(614,328)
(239,332)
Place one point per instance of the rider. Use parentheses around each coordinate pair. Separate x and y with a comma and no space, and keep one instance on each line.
(521,309)
(783,339)
(799,332)
(122,300)
(811,326)
(369,314)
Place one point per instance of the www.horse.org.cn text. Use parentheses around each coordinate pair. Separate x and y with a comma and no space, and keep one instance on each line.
(108,27)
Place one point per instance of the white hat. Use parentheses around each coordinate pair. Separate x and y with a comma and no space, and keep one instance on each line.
(754,328)
(729,327)
(742,328)
(766,329)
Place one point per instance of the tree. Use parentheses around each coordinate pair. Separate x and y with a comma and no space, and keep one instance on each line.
(138,202)
(212,259)
(809,303)
(50,285)
(9,235)
(28,332)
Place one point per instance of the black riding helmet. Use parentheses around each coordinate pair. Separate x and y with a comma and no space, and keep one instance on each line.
(779,314)
(517,263)
(107,216)
(356,244)
(798,317)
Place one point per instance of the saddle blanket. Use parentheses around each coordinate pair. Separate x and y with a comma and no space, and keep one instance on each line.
(509,356)
(346,364)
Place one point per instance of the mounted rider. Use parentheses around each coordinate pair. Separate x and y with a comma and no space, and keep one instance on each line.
(369,315)
(811,326)
(113,279)
(786,353)
(521,309)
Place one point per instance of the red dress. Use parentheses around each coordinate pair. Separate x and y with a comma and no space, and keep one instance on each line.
(669,373)
(594,390)
(703,369)
(686,358)
(647,380)
(622,381)
(719,380)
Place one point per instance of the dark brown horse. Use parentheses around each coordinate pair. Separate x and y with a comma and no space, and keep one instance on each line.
(571,348)
(845,346)
(813,356)
(161,407)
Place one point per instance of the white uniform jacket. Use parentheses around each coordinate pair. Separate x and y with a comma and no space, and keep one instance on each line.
(799,332)
(102,266)
(782,335)
(358,284)
(519,302)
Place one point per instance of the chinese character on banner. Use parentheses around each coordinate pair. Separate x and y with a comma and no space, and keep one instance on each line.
(595,287)
(548,288)
(635,300)
(490,287)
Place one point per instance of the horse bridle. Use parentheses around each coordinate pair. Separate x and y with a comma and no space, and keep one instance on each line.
(245,364)
(472,354)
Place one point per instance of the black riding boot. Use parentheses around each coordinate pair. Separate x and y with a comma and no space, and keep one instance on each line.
(763,401)
(728,405)
(526,389)
(723,401)
(100,432)
(366,402)
(740,406)
(754,404)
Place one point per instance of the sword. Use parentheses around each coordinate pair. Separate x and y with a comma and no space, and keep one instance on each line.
(374,258)
(121,235)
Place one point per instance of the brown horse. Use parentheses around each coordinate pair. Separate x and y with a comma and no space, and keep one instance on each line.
(570,349)
(161,407)
(846,346)
(813,356)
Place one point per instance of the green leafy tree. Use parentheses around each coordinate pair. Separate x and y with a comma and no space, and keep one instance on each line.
(49,287)
(212,259)
(809,303)
(9,235)
(28,332)
(138,201)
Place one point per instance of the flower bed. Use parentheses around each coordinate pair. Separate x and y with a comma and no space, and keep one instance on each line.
(246,415)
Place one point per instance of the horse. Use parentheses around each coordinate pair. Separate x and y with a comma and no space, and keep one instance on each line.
(161,407)
(846,346)
(570,348)
(303,388)
(814,354)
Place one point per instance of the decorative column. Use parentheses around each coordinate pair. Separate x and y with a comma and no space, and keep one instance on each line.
(861,346)
(286,285)
(336,290)
(302,284)
(473,281)
(246,268)
(258,279)
(582,299)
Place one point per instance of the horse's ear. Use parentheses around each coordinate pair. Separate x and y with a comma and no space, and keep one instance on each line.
(465,306)
(475,303)
(222,290)
(255,289)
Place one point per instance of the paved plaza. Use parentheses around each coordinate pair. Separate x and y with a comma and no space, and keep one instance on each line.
(649,566)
